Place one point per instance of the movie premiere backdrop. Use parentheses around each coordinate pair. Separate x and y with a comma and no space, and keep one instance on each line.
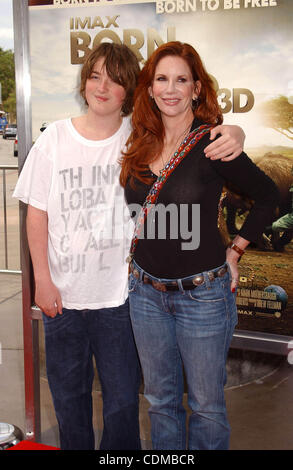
(247,48)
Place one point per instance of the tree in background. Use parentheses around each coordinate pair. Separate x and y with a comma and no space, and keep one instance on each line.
(7,79)
(278,114)
(10,106)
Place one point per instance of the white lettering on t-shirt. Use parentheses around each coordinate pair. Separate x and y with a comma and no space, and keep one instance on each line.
(85,209)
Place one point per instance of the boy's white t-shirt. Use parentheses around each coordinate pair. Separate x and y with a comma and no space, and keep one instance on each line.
(76,181)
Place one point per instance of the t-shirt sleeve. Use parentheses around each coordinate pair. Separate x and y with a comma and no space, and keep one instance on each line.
(34,182)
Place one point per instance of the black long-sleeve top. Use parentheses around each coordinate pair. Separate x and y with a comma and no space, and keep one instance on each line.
(197,180)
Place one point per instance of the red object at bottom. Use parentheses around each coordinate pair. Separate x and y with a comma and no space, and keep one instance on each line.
(30,445)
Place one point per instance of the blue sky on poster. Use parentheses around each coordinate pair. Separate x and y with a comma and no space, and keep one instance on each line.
(250,49)
(6,25)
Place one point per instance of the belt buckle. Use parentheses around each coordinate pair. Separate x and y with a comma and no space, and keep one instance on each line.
(222,271)
(198,280)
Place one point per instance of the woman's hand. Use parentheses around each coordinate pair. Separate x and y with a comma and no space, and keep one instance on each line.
(232,259)
(47,298)
(228,146)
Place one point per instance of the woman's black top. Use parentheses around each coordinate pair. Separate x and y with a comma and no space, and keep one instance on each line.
(197,182)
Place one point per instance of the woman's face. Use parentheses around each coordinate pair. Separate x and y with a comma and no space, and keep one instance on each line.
(103,95)
(173,87)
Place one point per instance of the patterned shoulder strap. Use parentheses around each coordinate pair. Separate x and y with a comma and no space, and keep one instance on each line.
(188,143)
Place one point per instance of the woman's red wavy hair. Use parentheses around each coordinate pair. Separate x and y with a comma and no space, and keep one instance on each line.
(146,140)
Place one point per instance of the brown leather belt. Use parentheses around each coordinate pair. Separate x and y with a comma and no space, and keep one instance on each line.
(173,285)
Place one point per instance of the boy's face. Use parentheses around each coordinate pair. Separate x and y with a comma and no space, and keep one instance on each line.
(103,95)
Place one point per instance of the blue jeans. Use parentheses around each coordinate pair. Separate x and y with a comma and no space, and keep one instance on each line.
(72,340)
(190,329)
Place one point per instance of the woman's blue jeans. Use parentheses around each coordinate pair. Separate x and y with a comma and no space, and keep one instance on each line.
(193,329)
(72,340)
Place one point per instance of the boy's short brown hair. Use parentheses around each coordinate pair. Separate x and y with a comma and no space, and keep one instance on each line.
(121,65)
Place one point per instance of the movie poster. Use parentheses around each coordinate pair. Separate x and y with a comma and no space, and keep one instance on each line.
(247,47)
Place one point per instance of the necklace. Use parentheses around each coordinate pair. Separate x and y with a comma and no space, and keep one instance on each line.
(174,148)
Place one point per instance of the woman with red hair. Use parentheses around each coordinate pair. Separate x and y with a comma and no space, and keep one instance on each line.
(183,279)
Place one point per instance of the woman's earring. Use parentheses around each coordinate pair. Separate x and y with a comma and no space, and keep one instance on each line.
(153,103)
(194,103)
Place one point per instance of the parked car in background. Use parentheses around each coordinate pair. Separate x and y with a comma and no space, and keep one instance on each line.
(10,130)
(15,147)
(3,123)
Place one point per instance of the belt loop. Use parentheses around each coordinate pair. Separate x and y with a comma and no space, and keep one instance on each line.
(179,283)
(137,269)
(207,280)
(141,273)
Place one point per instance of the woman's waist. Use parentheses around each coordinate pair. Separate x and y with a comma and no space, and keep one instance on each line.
(183,283)
(166,259)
